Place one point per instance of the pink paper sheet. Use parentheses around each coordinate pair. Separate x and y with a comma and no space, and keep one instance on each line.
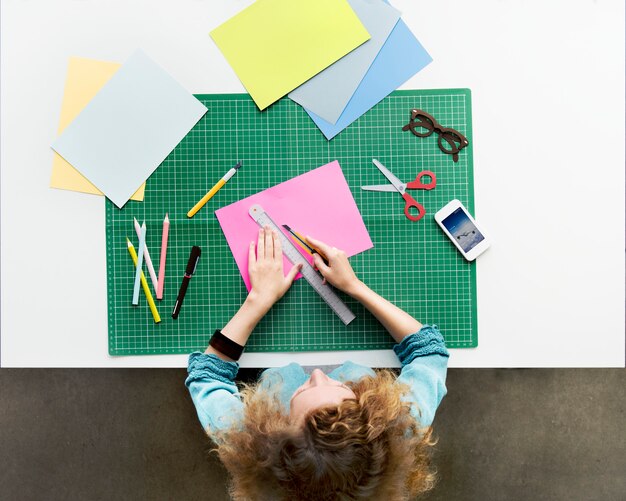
(318,204)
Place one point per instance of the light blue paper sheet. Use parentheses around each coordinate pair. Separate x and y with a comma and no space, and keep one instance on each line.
(129,127)
(328,92)
(401,57)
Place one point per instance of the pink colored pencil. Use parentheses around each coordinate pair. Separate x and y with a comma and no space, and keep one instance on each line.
(161,280)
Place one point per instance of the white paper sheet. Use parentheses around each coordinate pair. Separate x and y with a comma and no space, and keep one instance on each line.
(129,128)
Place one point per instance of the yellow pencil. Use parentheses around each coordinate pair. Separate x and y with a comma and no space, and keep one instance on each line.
(144,283)
(214,190)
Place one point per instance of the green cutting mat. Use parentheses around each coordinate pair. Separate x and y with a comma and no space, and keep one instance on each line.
(412,263)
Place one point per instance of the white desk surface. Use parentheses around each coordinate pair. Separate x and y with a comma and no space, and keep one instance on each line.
(547,81)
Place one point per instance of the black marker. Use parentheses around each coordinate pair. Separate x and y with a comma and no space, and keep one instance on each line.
(194,257)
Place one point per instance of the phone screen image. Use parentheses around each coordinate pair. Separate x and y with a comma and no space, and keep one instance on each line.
(463,230)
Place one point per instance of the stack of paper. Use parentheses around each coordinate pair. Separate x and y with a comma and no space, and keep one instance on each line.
(276,45)
(394,55)
(401,57)
(314,50)
(85,78)
(327,94)
(129,127)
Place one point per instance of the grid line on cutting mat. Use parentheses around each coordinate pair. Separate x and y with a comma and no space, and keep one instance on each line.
(412,263)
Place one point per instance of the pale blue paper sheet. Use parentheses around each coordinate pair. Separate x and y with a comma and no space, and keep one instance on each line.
(401,57)
(129,127)
(328,92)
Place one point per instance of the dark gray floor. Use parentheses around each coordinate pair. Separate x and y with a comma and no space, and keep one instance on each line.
(132,434)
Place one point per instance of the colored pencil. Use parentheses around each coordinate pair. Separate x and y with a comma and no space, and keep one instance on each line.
(144,283)
(164,236)
(214,190)
(146,256)
(138,272)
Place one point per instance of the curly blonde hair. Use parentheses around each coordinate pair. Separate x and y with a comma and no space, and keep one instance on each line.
(370,447)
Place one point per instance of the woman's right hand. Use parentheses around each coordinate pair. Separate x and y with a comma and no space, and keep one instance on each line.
(338,271)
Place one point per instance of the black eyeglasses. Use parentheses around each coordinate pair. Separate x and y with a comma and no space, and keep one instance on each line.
(450,140)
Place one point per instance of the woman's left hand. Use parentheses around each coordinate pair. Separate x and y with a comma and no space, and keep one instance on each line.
(265,268)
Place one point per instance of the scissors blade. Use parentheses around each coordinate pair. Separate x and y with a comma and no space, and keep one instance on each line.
(380,187)
(398,185)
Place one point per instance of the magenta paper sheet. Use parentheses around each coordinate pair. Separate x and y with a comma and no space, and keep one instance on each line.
(318,203)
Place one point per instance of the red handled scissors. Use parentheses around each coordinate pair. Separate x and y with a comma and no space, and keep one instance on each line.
(400,187)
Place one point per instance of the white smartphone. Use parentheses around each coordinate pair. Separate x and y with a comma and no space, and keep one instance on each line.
(461,228)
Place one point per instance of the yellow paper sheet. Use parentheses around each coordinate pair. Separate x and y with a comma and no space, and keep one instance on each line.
(276,45)
(85,78)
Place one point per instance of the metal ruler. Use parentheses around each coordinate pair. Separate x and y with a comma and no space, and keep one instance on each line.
(308,272)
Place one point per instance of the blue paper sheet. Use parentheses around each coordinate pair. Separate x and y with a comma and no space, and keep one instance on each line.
(328,92)
(401,57)
(129,127)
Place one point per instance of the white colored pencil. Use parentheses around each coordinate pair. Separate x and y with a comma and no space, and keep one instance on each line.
(146,255)
(142,244)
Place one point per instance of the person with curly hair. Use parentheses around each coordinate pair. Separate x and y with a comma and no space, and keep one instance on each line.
(352,434)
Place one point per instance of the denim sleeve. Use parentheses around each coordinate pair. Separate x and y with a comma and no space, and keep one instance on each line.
(211,383)
(424,360)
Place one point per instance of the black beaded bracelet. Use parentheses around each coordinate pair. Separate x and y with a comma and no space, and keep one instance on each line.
(225,345)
